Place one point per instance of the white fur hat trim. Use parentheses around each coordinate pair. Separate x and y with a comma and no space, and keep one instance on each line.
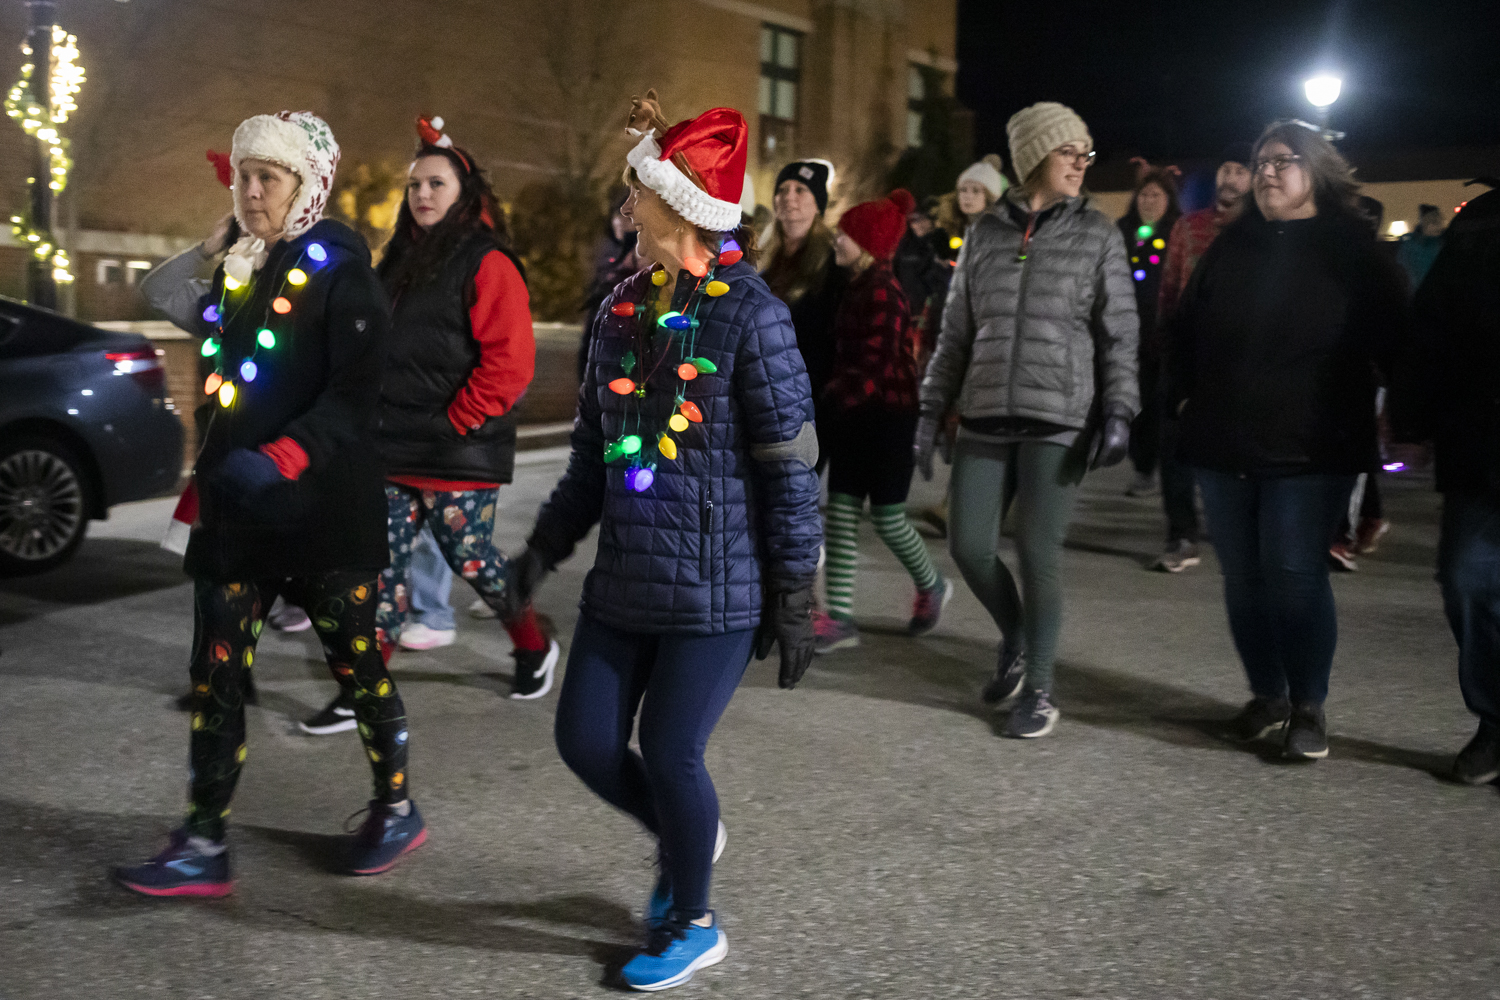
(688,199)
(302,143)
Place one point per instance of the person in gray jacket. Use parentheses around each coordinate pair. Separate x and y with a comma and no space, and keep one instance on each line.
(1038,356)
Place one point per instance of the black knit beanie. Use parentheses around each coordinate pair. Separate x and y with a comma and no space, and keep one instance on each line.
(813,173)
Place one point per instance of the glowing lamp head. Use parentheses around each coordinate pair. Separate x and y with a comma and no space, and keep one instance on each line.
(1322,90)
(316,252)
(954,242)
(677,422)
(623,308)
(248,371)
(266,339)
(210,348)
(1145,231)
(281,304)
(691,411)
(695,267)
(212,383)
(1140,275)
(1154,258)
(687,371)
(296,276)
(679,322)
(630,444)
(211,314)
(226,394)
(658,278)
(665,319)
(622,386)
(231,284)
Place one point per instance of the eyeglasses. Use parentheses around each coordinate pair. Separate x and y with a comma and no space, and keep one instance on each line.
(1278,164)
(1080,160)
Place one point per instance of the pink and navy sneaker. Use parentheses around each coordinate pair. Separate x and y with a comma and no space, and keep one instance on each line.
(928,607)
(383,838)
(183,869)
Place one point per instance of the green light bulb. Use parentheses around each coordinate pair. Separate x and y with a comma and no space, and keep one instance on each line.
(267,339)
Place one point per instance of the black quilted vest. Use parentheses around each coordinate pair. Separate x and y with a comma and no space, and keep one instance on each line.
(432,351)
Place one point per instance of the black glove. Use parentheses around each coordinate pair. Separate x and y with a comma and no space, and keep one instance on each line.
(244,474)
(786,619)
(523,575)
(1112,444)
(925,443)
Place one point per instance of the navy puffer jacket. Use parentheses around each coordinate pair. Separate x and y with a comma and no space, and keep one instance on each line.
(736,513)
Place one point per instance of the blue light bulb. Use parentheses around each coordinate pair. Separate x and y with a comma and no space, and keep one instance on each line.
(1140,276)
(211,314)
(316,252)
(248,370)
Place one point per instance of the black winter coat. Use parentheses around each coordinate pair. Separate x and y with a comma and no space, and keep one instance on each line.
(431,355)
(1276,343)
(735,513)
(1447,385)
(318,385)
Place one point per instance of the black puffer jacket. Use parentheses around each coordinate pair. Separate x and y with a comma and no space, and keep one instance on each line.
(318,386)
(1446,387)
(431,355)
(1276,343)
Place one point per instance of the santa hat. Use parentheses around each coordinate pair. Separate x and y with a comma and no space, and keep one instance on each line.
(697,166)
(183,515)
(876,226)
(430,131)
(301,142)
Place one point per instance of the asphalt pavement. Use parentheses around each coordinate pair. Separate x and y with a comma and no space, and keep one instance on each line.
(883,841)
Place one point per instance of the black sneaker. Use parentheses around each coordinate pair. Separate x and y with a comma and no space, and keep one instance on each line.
(1306,733)
(534,671)
(183,869)
(1479,762)
(336,717)
(1033,716)
(1180,555)
(1259,718)
(384,838)
(1010,674)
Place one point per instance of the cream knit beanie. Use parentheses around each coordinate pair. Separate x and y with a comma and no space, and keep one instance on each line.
(986,173)
(1038,130)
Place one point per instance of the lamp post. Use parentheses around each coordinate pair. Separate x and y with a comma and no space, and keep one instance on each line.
(1322,90)
(41,289)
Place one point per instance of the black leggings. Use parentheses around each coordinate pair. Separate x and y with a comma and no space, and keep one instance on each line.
(227,621)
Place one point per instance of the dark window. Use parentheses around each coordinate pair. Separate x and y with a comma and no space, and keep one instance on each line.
(780,72)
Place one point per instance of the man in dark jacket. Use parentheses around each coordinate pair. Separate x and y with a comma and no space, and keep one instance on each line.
(1445,391)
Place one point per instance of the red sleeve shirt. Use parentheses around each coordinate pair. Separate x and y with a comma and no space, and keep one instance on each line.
(501,319)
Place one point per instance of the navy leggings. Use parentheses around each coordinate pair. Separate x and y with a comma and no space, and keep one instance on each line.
(1271,536)
(681,684)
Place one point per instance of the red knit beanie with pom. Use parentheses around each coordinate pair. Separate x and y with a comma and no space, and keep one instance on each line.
(877,226)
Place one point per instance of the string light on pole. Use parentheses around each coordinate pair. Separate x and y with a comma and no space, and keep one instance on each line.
(65,78)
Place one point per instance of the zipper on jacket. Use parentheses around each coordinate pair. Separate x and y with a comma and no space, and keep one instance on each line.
(706,519)
(1015,340)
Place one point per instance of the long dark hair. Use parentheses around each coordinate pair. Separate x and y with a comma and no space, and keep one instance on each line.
(1335,191)
(1164,180)
(414,256)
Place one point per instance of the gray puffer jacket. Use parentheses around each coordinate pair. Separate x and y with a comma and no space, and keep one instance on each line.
(1038,338)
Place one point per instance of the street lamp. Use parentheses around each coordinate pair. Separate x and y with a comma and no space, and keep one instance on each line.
(1322,91)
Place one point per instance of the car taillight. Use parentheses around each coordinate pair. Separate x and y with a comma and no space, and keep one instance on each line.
(144,364)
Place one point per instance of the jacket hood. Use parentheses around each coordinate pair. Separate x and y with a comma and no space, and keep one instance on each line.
(329,232)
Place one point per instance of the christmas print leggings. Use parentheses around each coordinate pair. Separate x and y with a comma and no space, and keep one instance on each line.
(463,525)
(227,621)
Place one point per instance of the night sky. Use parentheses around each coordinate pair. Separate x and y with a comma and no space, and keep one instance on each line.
(1175,80)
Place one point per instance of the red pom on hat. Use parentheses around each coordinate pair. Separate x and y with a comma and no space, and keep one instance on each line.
(714,147)
(223,168)
(903,200)
(876,226)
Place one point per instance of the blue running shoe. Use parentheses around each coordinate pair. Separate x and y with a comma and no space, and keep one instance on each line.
(673,952)
(383,838)
(181,870)
(660,903)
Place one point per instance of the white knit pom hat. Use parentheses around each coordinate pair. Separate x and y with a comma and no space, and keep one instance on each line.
(1038,130)
(301,142)
(986,173)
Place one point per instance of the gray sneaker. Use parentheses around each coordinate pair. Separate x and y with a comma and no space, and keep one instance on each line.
(1010,675)
(1033,716)
(1180,555)
(1306,733)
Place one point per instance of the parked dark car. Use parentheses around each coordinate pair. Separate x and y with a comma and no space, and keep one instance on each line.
(85,423)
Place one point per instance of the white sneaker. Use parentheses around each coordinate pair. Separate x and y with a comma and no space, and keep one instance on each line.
(419,636)
(479,609)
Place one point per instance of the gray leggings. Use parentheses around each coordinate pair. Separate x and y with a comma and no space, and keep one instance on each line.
(1042,480)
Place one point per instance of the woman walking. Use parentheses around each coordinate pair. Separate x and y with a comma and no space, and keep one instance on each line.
(1038,356)
(461,354)
(1147,229)
(289,491)
(693,451)
(799,267)
(1275,348)
(870,415)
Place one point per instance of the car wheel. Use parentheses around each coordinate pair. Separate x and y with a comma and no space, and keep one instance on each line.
(43,505)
